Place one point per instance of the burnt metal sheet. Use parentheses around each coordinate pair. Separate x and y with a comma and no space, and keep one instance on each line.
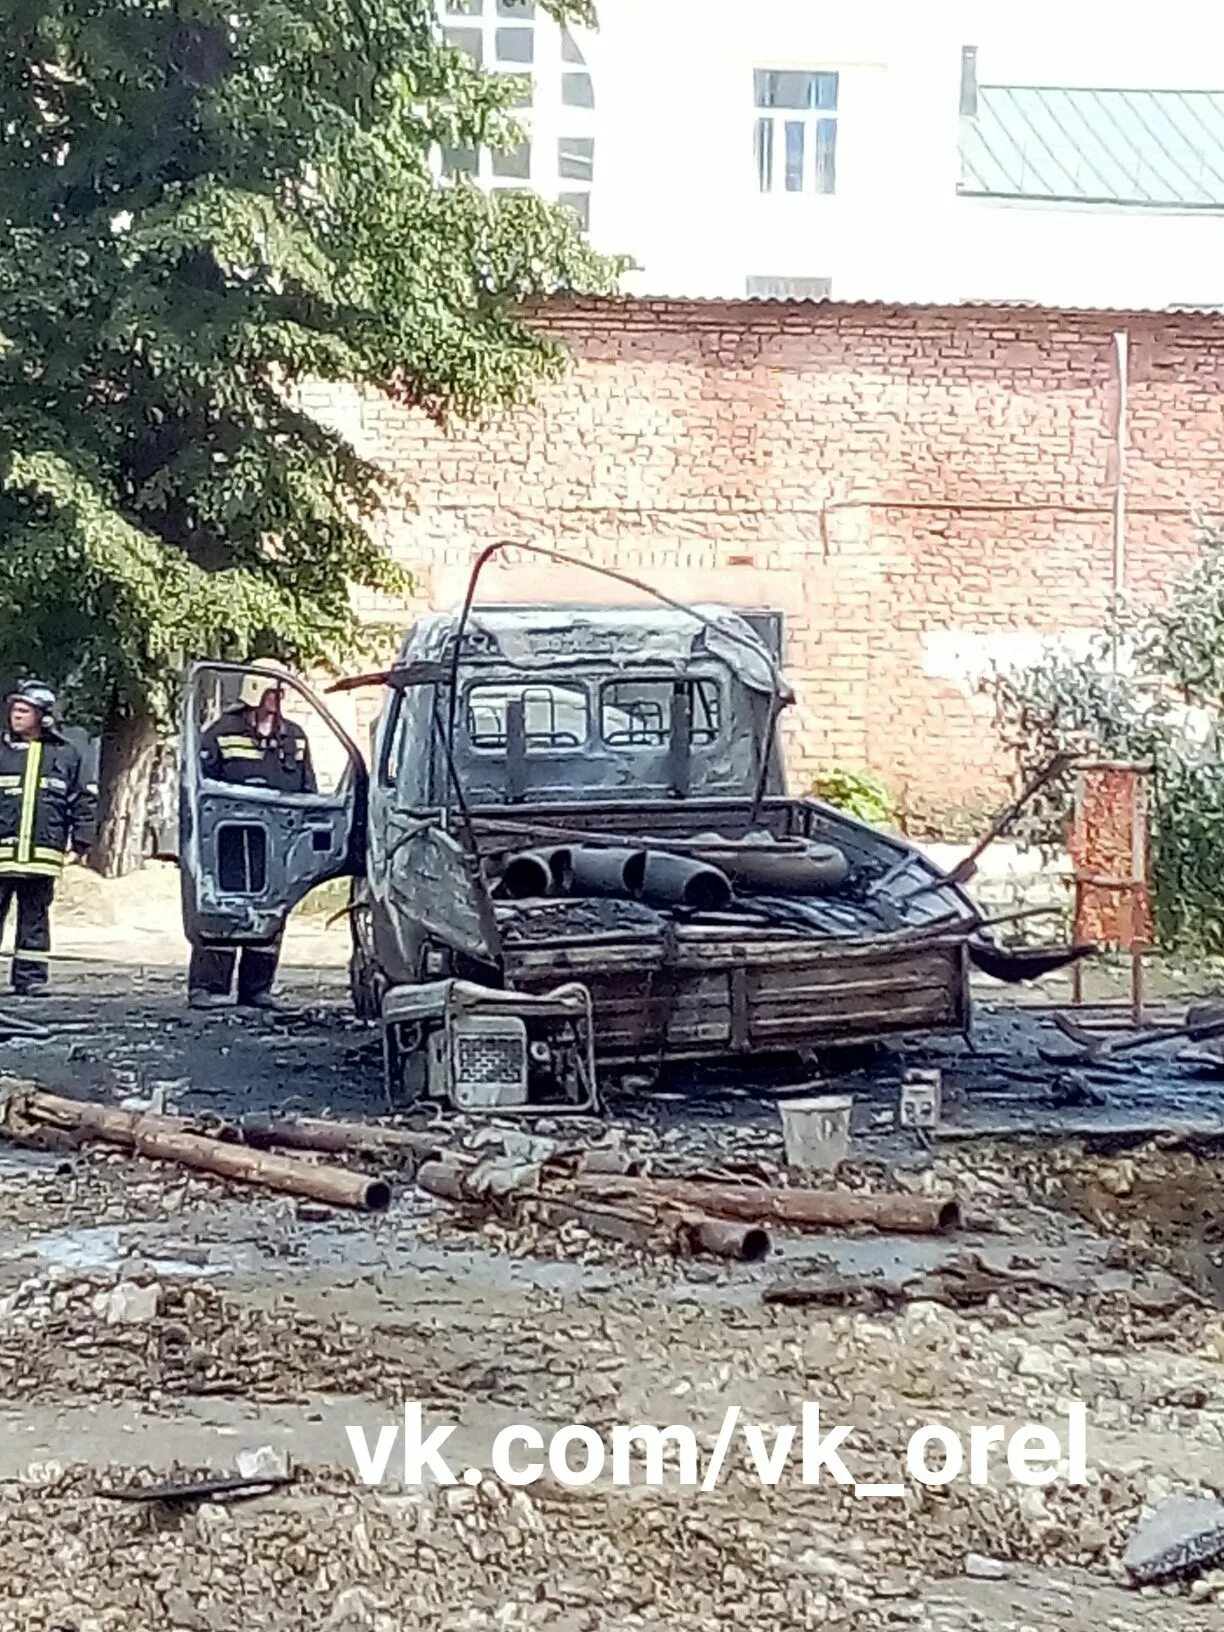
(433,881)
(535,638)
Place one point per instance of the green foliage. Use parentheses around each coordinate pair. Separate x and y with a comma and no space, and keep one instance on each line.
(202,205)
(859,793)
(1150,689)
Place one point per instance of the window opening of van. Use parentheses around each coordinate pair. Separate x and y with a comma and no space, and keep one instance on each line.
(638,713)
(556,716)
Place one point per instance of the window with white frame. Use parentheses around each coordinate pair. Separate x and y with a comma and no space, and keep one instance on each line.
(557,102)
(795,138)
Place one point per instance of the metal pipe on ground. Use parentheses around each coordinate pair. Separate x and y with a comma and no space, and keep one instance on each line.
(674,881)
(332,1185)
(630,1227)
(169,1138)
(725,1238)
(683,1231)
(799,1209)
(444,1179)
(109,1123)
(339,1138)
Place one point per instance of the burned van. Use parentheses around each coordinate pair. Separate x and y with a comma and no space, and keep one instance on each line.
(573,851)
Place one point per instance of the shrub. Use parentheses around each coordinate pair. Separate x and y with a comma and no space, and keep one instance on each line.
(858,793)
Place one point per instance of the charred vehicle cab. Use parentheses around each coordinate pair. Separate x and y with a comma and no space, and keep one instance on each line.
(572,850)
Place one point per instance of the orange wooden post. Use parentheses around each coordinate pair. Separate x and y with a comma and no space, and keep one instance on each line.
(1111,851)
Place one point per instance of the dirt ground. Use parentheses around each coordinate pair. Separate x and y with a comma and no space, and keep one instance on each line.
(152,1323)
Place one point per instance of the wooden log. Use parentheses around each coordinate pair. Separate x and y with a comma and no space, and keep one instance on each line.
(608,1159)
(171,1139)
(798,1209)
(960,1285)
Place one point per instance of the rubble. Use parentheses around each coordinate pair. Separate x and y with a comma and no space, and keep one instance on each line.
(1184,1533)
(981,1567)
(129,1304)
(275,1325)
(265,1462)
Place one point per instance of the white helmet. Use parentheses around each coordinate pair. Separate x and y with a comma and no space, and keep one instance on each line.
(255,687)
(38,696)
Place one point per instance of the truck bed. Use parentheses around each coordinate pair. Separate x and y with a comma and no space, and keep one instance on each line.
(846,968)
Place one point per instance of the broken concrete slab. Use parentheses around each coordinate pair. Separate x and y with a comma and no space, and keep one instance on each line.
(265,1462)
(981,1567)
(1184,1533)
(130,1303)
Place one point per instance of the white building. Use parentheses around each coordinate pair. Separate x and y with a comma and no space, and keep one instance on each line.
(954,151)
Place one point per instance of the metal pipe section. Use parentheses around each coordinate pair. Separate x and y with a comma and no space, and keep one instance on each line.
(799,1209)
(608,872)
(817,868)
(675,881)
(532,873)
(527,876)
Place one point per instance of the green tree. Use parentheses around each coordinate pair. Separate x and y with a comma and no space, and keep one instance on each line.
(204,204)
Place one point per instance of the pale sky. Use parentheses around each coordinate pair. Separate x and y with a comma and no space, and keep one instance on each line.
(1178,44)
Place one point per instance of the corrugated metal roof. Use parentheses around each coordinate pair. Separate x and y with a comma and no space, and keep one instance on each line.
(899,303)
(1153,149)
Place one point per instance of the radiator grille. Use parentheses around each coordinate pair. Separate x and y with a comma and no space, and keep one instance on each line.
(490,1059)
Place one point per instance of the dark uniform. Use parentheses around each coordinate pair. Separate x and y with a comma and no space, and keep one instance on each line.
(46,811)
(232,750)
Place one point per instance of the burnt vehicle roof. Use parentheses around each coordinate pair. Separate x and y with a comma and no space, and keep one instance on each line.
(630,637)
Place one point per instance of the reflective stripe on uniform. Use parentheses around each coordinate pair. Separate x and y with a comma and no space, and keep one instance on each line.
(29,801)
(9,784)
(28,955)
(30,869)
(48,852)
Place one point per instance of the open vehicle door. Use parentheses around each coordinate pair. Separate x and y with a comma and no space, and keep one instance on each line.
(248,854)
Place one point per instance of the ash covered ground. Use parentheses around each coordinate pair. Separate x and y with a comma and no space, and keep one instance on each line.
(152,1323)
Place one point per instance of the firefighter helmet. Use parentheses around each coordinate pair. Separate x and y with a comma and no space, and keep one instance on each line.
(255,687)
(37,694)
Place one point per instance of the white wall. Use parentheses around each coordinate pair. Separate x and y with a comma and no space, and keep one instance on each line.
(675,184)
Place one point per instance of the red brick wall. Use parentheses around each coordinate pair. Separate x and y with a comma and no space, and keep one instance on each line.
(901,483)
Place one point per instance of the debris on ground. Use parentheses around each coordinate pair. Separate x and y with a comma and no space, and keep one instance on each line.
(159,1329)
(1183,1534)
(202,1488)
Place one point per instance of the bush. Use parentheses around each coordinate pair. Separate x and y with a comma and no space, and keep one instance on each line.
(1150,689)
(858,793)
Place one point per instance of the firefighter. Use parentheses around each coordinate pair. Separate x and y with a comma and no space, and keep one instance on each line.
(46,815)
(252,745)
